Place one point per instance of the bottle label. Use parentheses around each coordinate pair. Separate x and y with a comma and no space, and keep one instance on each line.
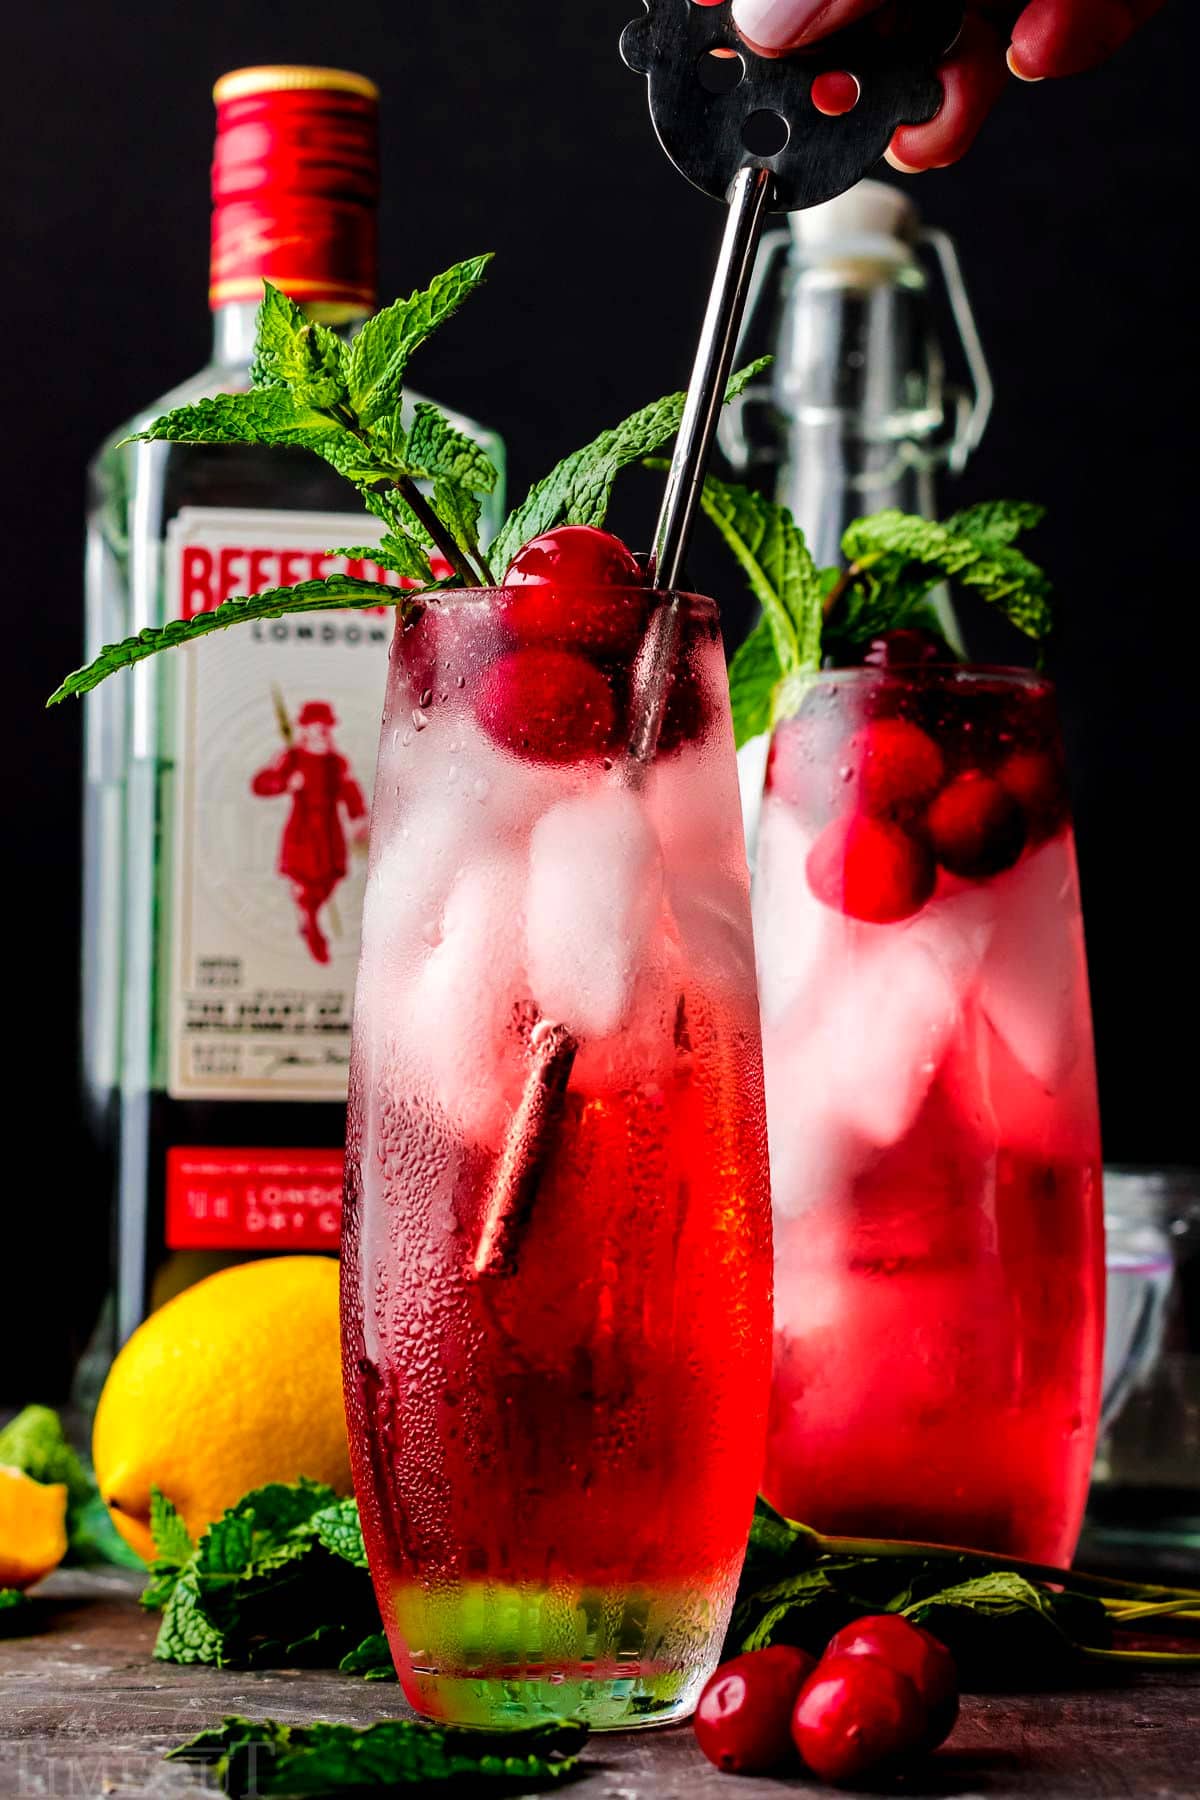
(253,1199)
(277,731)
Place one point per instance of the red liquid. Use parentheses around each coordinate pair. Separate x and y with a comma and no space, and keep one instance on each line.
(556,1464)
(936,1165)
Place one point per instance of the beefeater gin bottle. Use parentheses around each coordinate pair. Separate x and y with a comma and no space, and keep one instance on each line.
(227,787)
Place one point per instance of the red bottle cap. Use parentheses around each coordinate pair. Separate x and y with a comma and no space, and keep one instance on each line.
(295,182)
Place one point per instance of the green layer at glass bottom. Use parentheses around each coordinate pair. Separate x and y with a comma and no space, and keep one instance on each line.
(489,1654)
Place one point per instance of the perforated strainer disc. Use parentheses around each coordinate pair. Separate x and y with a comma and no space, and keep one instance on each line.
(718,107)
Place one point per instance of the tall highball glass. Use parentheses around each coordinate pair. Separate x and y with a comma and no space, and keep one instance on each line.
(931,1097)
(556,1264)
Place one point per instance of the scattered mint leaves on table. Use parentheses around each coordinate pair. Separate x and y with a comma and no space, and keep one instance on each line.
(1007,1623)
(275,1761)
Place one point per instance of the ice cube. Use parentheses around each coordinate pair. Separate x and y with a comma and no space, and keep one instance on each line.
(956,930)
(814,1151)
(459,1015)
(795,935)
(595,898)
(887,1026)
(1034,976)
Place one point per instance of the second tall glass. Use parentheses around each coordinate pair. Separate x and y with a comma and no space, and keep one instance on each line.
(556,1267)
(931,1093)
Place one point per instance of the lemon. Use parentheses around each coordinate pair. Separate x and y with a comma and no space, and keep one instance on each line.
(233,1383)
(33,1527)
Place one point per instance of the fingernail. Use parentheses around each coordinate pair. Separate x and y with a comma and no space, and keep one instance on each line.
(904,168)
(774,24)
(1017,70)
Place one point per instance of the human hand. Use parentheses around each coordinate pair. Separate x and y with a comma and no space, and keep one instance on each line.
(1048,38)
(295,782)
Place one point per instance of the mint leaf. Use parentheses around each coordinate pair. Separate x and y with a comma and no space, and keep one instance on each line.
(435,448)
(172,1540)
(334,592)
(297,351)
(996,521)
(270,415)
(372,1659)
(578,490)
(754,678)
(770,547)
(267,1758)
(338,1528)
(263,1531)
(173,1550)
(395,551)
(187,1634)
(895,547)
(1001,1626)
(380,353)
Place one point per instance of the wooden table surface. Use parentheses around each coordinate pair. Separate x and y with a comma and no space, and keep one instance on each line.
(85,1711)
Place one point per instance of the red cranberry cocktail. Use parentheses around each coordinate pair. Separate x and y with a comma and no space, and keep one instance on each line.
(931,1097)
(557,1250)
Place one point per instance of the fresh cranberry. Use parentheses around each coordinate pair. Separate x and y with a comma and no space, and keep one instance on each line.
(743,1723)
(903,648)
(571,586)
(1034,778)
(871,869)
(685,714)
(574,556)
(915,1653)
(854,1714)
(975,828)
(548,705)
(895,767)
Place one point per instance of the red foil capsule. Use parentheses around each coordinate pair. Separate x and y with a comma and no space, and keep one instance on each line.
(295,185)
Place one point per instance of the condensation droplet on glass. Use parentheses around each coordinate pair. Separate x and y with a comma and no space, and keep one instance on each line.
(461,682)
(426,697)
(608,763)
(481,788)
(419,720)
(846,772)
(407,738)
(452,774)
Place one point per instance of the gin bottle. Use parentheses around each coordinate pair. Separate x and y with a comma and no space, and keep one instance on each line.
(227,786)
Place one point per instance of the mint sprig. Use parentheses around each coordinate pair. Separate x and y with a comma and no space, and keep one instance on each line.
(345,402)
(895,562)
(412,468)
(267,1758)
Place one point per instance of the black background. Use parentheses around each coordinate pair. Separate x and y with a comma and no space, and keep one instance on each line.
(517,128)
